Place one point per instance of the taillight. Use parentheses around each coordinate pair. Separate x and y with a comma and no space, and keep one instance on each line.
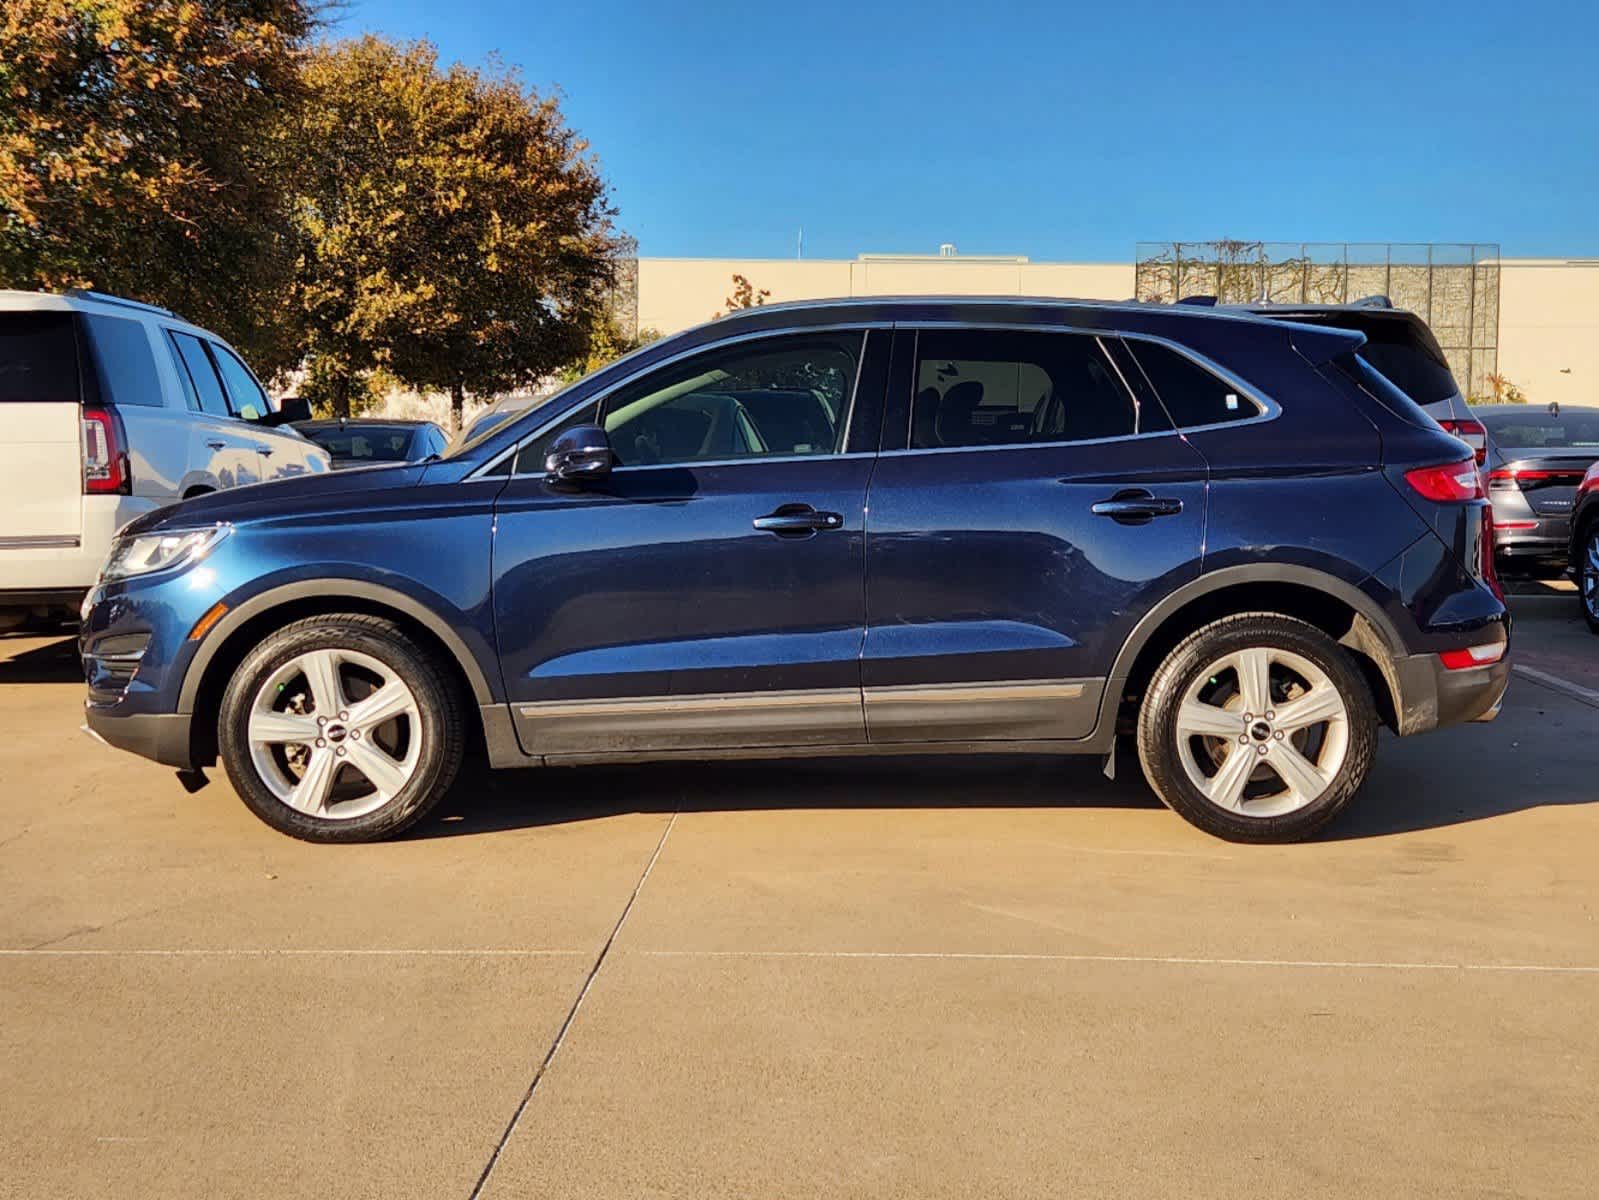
(1473,656)
(1590,481)
(1470,431)
(1450,483)
(1486,567)
(105,457)
(1514,476)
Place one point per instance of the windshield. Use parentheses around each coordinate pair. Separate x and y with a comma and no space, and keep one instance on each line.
(365,443)
(1573,429)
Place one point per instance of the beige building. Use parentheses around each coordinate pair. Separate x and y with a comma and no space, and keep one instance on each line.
(1548,307)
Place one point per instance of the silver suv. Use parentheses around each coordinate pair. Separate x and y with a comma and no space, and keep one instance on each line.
(110,409)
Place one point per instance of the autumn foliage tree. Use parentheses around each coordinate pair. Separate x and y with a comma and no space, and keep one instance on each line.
(451,226)
(138,153)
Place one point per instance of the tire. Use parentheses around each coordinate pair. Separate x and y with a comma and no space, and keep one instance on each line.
(1588,577)
(304,768)
(1200,686)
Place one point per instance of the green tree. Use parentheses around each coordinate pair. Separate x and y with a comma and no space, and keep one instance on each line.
(452,227)
(608,344)
(138,156)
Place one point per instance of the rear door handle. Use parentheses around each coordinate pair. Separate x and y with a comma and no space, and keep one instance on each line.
(217,445)
(1135,505)
(264,451)
(798,520)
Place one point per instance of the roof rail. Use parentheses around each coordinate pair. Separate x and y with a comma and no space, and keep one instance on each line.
(1199,301)
(104,298)
(1378,301)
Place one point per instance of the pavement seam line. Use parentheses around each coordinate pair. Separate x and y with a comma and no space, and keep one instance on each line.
(1135,959)
(1573,691)
(283,952)
(571,1015)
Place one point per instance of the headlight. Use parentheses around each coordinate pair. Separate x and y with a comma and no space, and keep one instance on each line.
(160,551)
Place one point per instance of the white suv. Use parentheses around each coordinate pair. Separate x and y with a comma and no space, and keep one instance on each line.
(108,409)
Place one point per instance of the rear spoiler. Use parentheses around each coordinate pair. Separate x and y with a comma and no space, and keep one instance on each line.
(1319,344)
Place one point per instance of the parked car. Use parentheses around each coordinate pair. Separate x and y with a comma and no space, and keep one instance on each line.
(871,526)
(362,442)
(1585,545)
(1402,346)
(1536,458)
(109,410)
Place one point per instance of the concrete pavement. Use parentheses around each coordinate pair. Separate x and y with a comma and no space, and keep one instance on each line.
(932,978)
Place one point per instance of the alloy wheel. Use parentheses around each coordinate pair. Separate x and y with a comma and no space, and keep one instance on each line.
(334,733)
(1262,732)
(1590,577)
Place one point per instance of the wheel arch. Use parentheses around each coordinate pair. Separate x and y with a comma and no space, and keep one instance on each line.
(243,627)
(1336,607)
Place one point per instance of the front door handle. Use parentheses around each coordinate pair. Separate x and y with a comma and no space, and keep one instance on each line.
(801,520)
(216,445)
(264,451)
(1135,506)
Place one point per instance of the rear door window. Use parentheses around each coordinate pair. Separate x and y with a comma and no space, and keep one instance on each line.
(982,387)
(1191,394)
(124,361)
(194,364)
(243,391)
(38,358)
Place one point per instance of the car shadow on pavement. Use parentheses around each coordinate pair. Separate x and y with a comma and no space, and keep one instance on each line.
(491,801)
(49,662)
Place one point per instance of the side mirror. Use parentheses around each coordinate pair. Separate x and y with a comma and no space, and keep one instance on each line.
(290,410)
(581,454)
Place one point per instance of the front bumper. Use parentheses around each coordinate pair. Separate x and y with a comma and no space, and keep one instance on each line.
(163,737)
(1431,696)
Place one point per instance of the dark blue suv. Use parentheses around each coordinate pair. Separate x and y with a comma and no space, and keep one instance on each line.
(905,526)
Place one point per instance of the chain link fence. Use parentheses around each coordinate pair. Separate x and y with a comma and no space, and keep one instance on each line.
(1454,286)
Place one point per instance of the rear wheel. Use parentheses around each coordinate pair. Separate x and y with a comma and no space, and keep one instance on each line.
(1257,728)
(340,729)
(1588,578)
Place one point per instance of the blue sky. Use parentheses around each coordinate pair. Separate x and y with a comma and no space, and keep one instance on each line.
(1061,131)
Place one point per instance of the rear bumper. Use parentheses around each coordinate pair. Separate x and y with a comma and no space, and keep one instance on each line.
(1432,697)
(65,567)
(163,737)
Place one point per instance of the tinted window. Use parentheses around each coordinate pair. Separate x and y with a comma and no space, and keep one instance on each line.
(364,443)
(785,396)
(1414,367)
(997,388)
(194,365)
(243,390)
(38,359)
(1573,429)
(1191,394)
(124,361)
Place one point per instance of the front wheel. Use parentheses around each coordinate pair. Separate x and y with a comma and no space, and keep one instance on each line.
(1588,578)
(340,728)
(1257,728)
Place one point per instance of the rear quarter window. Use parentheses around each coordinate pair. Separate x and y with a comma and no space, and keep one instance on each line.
(38,359)
(123,361)
(1191,395)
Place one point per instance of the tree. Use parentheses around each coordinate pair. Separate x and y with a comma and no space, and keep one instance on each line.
(745,295)
(453,229)
(137,153)
(1501,391)
(608,344)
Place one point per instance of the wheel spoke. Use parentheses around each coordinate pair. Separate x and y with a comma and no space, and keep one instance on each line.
(277,728)
(1227,785)
(322,675)
(311,793)
(1197,719)
(1321,703)
(1298,773)
(386,774)
(387,702)
(1254,680)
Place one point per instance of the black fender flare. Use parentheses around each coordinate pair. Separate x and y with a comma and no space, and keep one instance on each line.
(331,589)
(1376,635)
